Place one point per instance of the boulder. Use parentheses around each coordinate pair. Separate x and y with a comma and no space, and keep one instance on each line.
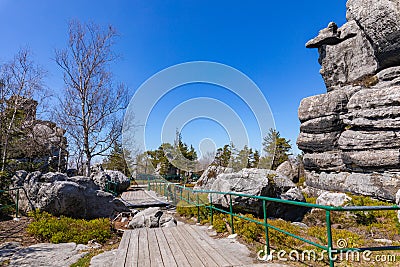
(151,218)
(291,169)
(210,175)
(100,176)
(76,197)
(258,182)
(333,199)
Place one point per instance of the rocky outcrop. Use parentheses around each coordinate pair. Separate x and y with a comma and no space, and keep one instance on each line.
(257,182)
(351,134)
(58,194)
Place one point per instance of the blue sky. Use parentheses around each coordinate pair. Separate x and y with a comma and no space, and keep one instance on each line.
(263,39)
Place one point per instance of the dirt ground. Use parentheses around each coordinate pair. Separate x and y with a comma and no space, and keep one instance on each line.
(15,231)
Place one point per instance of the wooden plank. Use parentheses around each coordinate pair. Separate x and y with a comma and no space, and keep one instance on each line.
(232,259)
(155,254)
(186,244)
(144,253)
(165,250)
(133,250)
(175,247)
(122,249)
(204,249)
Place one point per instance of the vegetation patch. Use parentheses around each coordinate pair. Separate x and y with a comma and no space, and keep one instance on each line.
(49,228)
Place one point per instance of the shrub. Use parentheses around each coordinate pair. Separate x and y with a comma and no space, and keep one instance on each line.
(63,229)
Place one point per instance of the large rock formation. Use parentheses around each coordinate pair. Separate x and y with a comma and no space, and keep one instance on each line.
(255,182)
(351,134)
(58,194)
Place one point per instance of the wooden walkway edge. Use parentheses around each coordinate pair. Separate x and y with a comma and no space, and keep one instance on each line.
(184,245)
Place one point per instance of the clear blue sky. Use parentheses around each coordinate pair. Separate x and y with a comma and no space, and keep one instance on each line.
(263,39)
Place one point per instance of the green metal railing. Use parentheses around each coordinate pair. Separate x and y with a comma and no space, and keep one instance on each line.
(112,187)
(12,204)
(173,192)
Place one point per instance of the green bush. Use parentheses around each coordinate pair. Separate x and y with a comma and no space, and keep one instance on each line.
(63,229)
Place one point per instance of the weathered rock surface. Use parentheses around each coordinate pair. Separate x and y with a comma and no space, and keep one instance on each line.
(210,175)
(59,194)
(151,218)
(258,182)
(379,185)
(332,199)
(100,177)
(354,128)
(380,21)
(291,169)
(44,254)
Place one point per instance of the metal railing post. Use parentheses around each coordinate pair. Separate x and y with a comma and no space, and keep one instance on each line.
(231,213)
(211,210)
(17,205)
(329,235)
(198,208)
(266,228)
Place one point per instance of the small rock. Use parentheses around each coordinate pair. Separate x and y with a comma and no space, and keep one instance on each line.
(332,199)
(300,224)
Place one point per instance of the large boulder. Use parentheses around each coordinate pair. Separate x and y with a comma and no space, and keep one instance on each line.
(333,199)
(100,177)
(258,182)
(210,175)
(59,194)
(291,169)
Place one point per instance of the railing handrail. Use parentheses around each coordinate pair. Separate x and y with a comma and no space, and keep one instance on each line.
(328,209)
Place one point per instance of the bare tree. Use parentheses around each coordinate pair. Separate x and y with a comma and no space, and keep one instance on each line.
(91,101)
(21,80)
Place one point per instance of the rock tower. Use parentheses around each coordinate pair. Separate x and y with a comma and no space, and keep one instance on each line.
(351,134)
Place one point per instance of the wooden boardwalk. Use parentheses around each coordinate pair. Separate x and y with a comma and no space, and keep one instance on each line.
(143,199)
(184,245)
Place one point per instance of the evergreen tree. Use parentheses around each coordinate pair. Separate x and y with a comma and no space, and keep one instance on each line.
(116,160)
(277,149)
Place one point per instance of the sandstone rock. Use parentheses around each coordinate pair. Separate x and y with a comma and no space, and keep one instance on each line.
(348,59)
(318,142)
(209,176)
(104,259)
(325,161)
(152,217)
(380,21)
(332,103)
(324,124)
(332,199)
(77,197)
(100,177)
(378,160)
(367,140)
(371,98)
(290,169)
(379,185)
(44,254)
(258,182)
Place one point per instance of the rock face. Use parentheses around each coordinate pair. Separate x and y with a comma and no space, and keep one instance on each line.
(58,194)
(257,182)
(351,134)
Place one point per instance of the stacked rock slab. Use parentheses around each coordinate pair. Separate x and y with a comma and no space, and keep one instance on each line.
(351,134)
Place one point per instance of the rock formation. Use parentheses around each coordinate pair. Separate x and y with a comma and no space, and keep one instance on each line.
(256,182)
(351,134)
(58,194)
